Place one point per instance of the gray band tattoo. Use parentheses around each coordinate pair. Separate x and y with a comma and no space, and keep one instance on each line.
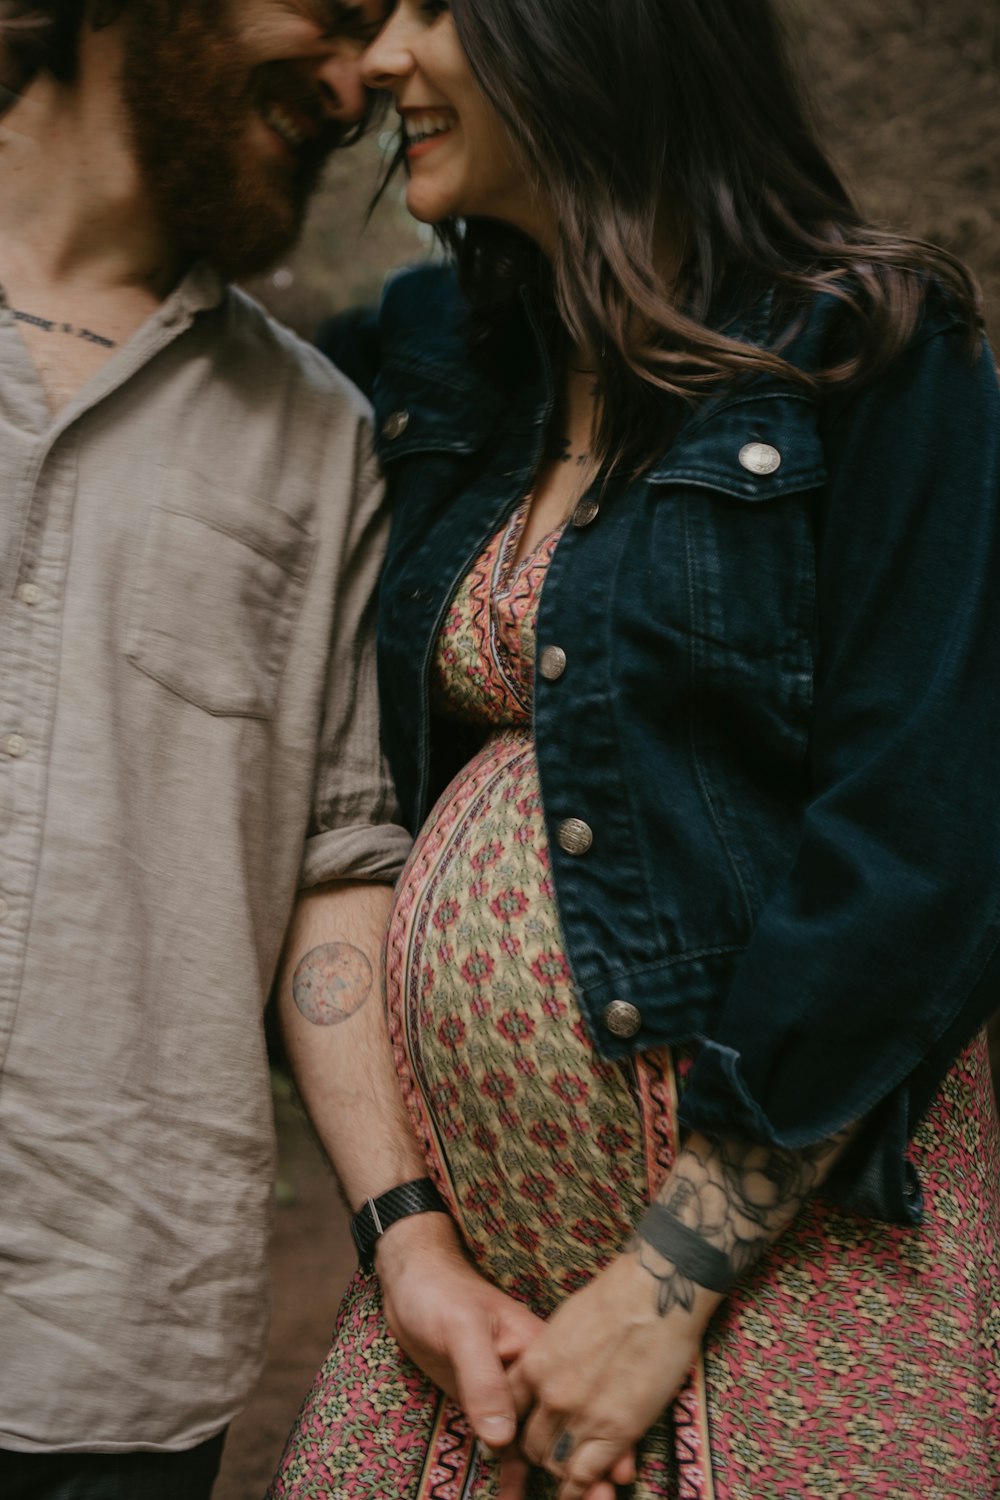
(563,1447)
(332,983)
(720,1209)
(692,1255)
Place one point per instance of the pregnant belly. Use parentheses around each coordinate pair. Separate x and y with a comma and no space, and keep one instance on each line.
(529,1133)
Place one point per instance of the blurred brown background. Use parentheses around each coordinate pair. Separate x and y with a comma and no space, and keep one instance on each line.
(907,93)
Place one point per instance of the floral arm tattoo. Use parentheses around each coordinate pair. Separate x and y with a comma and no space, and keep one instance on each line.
(720,1208)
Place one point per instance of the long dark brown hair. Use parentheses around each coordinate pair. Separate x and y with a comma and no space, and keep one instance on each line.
(626,109)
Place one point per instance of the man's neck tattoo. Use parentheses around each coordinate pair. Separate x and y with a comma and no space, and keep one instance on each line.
(51,325)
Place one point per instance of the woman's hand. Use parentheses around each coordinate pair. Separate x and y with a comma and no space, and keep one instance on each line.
(608,1363)
(616,1353)
(463,1333)
(457,1327)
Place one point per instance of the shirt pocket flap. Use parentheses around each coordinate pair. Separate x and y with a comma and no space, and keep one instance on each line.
(217,589)
(753,448)
(419,410)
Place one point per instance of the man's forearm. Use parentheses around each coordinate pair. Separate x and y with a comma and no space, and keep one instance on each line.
(330,1002)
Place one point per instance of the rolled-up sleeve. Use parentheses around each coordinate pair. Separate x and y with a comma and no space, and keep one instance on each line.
(878,957)
(355,831)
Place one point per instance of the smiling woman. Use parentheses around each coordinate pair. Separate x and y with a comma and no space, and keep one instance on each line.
(459,153)
(688,635)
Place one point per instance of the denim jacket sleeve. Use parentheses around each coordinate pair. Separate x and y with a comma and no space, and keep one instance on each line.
(877,958)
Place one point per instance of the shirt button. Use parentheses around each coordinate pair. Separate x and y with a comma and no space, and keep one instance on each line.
(622,1019)
(15,745)
(575,836)
(760,458)
(29,593)
(586,511)
(395,425)
(553,663)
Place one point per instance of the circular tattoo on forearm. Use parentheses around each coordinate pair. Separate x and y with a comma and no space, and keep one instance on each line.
(332,983)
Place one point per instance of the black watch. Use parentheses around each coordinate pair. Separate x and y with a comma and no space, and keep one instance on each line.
(374,1217)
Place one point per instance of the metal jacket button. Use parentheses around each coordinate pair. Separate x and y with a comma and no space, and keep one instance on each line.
(760,458)
(575,836)
(622,1019)
(553,663)
(395,425)
(586,511)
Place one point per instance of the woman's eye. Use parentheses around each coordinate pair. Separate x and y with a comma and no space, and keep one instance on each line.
(434,8)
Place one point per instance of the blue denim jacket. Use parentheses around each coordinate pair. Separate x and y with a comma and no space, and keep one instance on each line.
(768,737)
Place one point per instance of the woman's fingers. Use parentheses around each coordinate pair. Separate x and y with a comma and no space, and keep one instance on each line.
(513,1475)
(584,1472)
(624,1471)
(548,1441)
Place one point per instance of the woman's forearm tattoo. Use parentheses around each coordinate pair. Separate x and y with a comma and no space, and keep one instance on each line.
(332,983)
(720,1208)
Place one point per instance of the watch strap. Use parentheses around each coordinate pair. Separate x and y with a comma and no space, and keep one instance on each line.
(376,1215)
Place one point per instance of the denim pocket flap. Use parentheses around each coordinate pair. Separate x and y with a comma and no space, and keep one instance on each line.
(418,410)
(753,447)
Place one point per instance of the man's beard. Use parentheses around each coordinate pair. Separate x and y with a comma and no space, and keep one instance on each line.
(191,97)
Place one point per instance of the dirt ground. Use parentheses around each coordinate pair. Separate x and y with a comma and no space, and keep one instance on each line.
(908,90)
(312,1260)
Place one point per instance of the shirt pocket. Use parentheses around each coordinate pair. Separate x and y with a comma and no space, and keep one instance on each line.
(218,587)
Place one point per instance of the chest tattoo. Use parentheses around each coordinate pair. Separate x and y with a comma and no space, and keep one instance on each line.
(52,325)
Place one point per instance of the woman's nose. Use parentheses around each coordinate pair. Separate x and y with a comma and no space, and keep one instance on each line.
(388,59)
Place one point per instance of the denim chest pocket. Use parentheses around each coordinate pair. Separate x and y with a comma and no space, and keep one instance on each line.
(218,586)
(735,513)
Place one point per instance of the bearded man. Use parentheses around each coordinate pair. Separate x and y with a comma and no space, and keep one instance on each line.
(189,537)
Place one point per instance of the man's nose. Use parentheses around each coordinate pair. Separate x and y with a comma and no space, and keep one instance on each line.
(341,84)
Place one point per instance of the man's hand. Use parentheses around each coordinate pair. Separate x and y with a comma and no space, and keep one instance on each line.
(455,1326)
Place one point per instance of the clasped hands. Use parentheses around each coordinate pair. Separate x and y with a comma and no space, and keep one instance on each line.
(573,1395)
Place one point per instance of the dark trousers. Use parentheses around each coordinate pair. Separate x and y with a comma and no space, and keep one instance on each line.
(111,1476)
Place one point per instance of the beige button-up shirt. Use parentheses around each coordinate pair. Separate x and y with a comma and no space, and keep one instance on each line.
(188,733)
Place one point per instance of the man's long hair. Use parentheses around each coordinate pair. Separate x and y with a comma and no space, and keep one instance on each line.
(624,109)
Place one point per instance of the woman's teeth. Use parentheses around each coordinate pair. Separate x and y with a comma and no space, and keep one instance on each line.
(283,125)
(419,128)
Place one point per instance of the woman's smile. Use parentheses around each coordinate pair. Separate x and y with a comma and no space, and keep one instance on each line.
(424,130)
(461,158)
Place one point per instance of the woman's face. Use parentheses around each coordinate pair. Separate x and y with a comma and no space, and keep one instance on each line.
(460,155)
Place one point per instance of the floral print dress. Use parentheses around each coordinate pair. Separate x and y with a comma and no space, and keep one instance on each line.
(858,1360)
